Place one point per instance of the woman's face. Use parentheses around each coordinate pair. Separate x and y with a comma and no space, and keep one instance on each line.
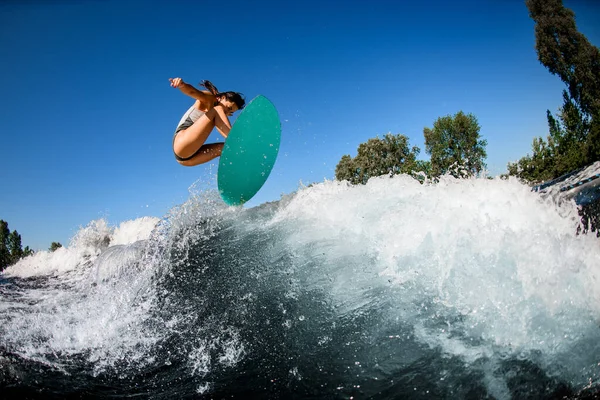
(229,106)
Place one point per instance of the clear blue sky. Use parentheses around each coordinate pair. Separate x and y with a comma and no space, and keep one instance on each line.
(87,115)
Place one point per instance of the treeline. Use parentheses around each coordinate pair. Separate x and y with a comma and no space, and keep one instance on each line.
(11,249)
(455,145)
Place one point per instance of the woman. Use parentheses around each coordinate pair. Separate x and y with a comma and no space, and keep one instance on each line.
(211,110)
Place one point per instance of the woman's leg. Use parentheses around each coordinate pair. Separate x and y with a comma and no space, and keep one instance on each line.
(188,141)
(206,153)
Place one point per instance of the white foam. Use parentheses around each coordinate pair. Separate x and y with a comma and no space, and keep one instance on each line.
(87,244)
(94,300)
(131,231)
(478,268)
(490,251)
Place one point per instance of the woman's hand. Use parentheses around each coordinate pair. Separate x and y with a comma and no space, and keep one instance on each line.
(189,90)
(176,82)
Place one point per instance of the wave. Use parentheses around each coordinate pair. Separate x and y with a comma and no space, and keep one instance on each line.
(460,288)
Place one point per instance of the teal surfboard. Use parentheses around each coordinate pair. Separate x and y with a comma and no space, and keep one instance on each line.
(249,152)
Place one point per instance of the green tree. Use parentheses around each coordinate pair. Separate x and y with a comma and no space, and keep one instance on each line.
(27,251)
(4,245)
(389,155)
(592,143)
(536,168)
(566,52)
(55,246)
(11,249)
(563,151)
(454,143)
(574,136)
(15,247)
(345,169)
(423,167)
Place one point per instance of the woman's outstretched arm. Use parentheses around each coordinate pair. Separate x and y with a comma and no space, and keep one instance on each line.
(189,90)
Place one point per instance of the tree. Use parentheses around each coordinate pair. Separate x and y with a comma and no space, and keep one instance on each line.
(423,168)
(574,137)
(454,142)
(387,156)
(567,53)
(564,150)
(27,251)
(14,246)
(10,246)
(536,168)
(4,245)
(345,169)
(54,246)
(592,144)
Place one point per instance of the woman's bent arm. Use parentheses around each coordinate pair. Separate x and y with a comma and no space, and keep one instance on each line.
(221,121)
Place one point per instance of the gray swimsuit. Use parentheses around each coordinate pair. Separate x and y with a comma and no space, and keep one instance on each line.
(192,115)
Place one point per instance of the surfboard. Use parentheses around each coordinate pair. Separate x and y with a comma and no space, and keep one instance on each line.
(249,152)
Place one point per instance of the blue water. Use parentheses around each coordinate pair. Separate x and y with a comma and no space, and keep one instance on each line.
(463,289)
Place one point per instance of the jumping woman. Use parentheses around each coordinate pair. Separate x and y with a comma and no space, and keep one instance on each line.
(210,110)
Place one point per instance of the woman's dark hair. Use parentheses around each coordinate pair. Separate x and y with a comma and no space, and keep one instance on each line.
(234,97)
